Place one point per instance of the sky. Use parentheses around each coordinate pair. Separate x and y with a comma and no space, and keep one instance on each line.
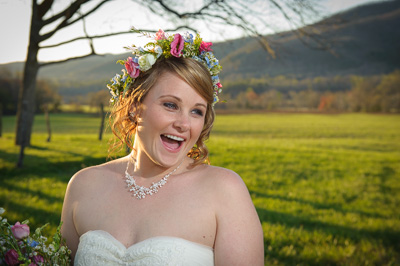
(114,16)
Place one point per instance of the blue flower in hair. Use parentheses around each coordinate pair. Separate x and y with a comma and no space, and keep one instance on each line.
(188,37)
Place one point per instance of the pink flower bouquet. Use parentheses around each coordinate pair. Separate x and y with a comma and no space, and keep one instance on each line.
(19,247)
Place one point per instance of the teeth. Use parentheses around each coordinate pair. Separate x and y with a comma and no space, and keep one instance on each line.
(174,137)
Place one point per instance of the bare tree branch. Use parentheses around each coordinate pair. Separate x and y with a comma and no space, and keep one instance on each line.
(67,60)
(85,38)
(88,13)
(44,7)
(68,14)
(113,34)
(236,13)
(90,39)
(183,15)
(93,52)
(214,9)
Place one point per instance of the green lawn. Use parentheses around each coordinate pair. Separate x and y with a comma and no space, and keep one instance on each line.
(326,187)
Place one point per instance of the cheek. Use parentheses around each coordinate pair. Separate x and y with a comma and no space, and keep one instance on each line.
(197,128)
(153,119)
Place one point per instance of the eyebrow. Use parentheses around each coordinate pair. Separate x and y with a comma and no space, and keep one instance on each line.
(180,100)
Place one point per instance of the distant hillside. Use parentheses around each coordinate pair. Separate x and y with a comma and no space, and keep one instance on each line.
(365,41)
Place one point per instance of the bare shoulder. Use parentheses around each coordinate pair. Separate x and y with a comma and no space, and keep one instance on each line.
(226,186)
(221,172)
(225,181)
(239,238)
(82,191)
(95,177)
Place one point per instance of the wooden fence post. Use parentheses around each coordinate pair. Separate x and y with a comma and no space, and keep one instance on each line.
(102,121)
(46,114)
(1,120)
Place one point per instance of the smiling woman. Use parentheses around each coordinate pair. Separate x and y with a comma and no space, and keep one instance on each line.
(176,74)
(163,204)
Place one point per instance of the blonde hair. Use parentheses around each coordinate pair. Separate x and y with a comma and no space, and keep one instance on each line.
(194,73)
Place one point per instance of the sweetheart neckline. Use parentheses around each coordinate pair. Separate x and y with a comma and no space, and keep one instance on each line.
(102,232)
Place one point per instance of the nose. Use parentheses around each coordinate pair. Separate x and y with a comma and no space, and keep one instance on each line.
(182,123)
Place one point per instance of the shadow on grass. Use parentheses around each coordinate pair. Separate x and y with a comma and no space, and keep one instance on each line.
(37,217)
(38,148)
(388,237)
(8,157)
(36,168)
(44,167)
(31,193)
(12,157)
(318,205)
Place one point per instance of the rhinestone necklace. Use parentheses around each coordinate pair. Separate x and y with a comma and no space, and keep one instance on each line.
(140,192)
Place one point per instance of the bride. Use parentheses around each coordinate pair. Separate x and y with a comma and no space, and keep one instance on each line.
(162,204)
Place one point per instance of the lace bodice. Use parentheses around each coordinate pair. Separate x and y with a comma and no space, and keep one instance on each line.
(101,248)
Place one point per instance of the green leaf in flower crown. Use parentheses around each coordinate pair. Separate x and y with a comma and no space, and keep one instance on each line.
(122,62)
(126,85)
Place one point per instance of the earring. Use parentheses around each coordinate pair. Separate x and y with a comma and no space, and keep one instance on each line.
(132,117)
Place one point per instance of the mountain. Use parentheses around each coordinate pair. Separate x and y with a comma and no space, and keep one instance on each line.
(364,40)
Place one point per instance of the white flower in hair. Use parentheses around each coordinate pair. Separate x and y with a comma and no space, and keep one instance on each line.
(146,61)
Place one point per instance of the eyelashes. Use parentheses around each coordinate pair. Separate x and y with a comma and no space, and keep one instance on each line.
(198,112)
(170,105)
(173,106)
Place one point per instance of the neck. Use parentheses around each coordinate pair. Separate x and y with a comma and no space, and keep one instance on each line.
(147,168)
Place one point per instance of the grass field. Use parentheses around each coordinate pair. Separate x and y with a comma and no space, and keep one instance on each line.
(326,187)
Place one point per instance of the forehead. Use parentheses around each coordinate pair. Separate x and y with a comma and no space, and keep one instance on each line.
(171,84)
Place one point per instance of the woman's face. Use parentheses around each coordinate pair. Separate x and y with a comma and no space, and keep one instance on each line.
(170,121)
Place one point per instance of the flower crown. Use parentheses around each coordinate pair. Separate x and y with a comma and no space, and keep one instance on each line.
(164,46)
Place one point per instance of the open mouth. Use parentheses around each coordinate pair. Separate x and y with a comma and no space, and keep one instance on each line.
(172,142)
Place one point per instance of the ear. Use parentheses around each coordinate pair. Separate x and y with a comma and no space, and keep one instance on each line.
(135,111)
(132,111)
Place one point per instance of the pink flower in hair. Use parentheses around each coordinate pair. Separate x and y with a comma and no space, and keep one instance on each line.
(205,46)
(177,45)
(130,66)
(160,35)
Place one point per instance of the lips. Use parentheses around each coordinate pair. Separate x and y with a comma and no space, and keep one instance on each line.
(172,143)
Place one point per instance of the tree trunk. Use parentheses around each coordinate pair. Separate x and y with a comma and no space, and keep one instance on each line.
(26,104)
(26,98)
(102,121)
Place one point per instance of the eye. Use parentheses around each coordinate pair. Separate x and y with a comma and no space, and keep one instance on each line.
(198,112)
(170,105)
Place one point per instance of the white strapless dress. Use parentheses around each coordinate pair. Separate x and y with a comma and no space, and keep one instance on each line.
(101,248)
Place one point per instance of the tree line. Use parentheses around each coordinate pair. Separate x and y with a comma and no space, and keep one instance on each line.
(378,93)
(46,94)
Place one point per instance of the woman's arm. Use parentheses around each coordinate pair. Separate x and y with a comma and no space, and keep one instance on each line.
(68,230)
(239,239)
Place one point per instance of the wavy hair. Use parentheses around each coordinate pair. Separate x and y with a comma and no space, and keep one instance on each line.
(194,73)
